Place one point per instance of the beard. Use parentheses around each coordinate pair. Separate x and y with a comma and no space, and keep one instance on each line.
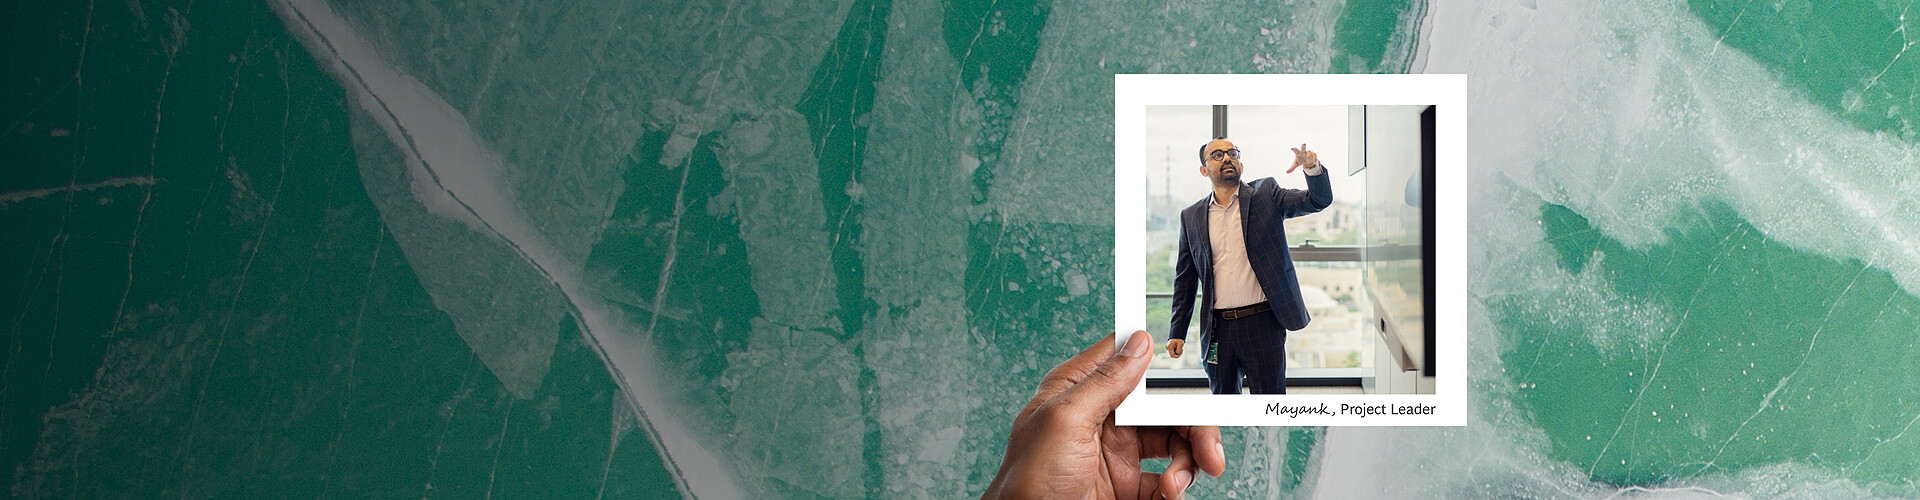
(1228,173)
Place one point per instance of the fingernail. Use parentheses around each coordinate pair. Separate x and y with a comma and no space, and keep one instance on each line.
(1137,345)
(1186,479)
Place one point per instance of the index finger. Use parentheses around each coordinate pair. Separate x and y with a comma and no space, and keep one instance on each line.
(1207,450)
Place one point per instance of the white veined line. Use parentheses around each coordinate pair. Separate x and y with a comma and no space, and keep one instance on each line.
(370,80)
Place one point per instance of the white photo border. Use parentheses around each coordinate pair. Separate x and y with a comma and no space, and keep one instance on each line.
(1448,405)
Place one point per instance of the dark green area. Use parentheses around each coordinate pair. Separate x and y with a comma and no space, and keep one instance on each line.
(1770,354)
(836,104)
(710,310)
(1014,283)
(1848,56)
(241,325)
(1365,29)
(1301,442)
(1574,240)
(994,43)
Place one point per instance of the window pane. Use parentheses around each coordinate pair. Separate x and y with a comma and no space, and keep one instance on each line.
(1333,296)
(1333,339)
(1266,136)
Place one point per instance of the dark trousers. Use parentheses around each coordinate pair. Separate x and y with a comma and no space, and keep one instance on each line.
(1254,347)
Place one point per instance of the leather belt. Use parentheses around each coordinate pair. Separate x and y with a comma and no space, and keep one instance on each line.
(1233,314)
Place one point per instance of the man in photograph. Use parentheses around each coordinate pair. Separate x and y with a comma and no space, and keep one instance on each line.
(1232,244)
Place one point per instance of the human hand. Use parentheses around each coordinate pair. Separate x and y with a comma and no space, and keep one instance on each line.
(1064,443)
(1303,158)
(1174,347)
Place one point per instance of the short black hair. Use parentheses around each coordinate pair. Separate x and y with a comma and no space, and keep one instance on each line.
(1203,149)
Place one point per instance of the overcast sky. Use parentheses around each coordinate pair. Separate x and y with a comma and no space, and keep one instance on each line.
(1264,135)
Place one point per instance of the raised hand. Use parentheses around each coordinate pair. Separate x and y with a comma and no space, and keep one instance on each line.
(1303,158)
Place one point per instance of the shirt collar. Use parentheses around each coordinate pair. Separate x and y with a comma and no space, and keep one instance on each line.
(1230,200)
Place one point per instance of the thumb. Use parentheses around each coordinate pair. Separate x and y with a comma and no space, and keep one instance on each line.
(1097,395)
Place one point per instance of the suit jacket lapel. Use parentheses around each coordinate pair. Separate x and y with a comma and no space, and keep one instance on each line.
(1201,216)
(1201,219)
(1245,201)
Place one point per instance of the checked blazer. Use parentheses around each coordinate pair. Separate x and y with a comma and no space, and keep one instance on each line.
(1263,206)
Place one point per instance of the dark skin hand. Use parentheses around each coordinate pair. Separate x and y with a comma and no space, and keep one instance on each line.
(1064,443)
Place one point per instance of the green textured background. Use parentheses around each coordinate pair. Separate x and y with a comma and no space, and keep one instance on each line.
(857,232)
(203,301)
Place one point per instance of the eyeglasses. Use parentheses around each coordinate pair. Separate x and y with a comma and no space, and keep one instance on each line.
(1218,154)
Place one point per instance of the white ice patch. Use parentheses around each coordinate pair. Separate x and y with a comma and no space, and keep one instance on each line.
(1531,278)
(1627,114)
(1630,118)
(13,197)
